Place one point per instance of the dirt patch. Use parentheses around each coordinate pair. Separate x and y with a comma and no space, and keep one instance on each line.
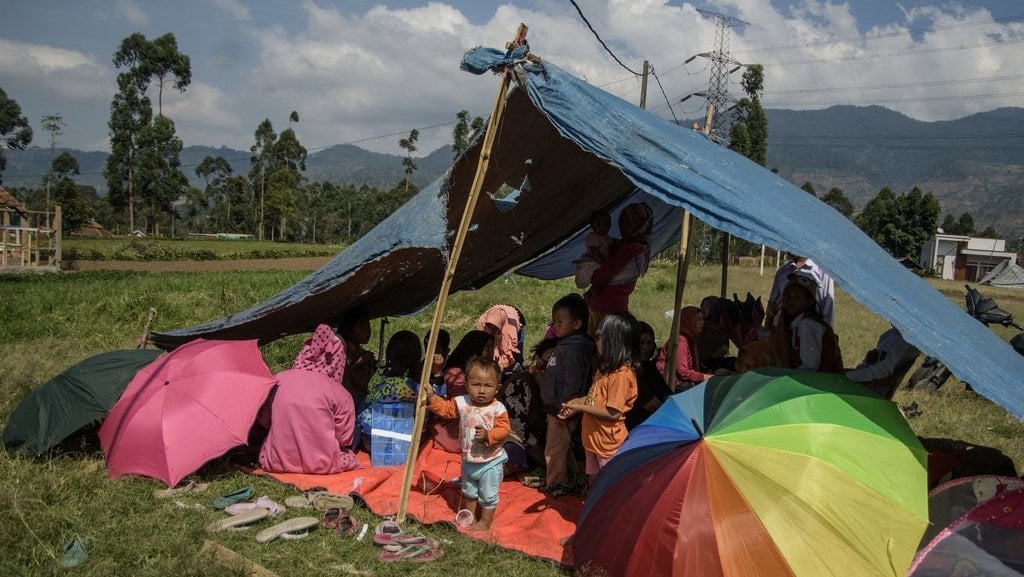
(304,263)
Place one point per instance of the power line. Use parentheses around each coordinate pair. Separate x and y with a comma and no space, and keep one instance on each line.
(658,80)
(596,35)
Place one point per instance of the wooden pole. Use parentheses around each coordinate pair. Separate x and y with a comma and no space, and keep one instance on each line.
(449,275)
(682,267)
(58,236)
(726,241)
(643,85)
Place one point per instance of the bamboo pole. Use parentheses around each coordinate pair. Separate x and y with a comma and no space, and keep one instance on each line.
(449,275)
(682,267)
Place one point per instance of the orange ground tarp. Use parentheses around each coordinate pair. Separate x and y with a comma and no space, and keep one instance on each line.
(527,520)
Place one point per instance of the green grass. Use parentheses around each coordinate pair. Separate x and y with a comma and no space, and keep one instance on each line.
(50,322)
(157,249)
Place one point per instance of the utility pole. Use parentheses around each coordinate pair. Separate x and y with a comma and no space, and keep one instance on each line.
(54,124)
(722,65)
(643,85)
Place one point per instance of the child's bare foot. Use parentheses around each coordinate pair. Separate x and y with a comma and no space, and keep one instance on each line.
(480,525)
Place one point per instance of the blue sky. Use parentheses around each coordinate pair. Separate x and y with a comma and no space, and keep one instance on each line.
(366,71)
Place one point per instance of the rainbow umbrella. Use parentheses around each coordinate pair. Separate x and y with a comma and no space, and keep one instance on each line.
(773,472)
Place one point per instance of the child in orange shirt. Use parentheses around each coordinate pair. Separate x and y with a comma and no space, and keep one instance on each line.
(611,396)
(483,428)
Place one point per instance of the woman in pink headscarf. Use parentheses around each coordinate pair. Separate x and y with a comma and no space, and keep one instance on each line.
(688,373)
(505,323)
(312,416)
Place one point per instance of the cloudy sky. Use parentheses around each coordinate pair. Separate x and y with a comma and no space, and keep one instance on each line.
(368,71)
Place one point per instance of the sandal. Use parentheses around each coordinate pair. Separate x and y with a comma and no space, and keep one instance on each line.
(320,501)
(421,553)
(263,502)
(231,498)
(404,539)
(240,520)
(386,526)
(294,525)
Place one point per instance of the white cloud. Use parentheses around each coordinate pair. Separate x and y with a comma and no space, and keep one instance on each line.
(132,12)
(70,74)
(204,114)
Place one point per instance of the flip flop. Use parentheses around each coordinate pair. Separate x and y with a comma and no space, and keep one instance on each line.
(231,498)
(186,489)
(263,502)
(293,525)
(420,553)
(386,526)
(404,539)
(320,501)
(239,520)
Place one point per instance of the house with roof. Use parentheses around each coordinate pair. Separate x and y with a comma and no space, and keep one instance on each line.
(960,257)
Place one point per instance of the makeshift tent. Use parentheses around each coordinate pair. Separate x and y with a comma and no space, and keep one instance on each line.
(1006,274)
(582,149)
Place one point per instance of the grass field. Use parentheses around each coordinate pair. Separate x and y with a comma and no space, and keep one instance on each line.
(50,322)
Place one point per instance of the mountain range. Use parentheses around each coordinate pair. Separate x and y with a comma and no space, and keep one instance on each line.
(973,164)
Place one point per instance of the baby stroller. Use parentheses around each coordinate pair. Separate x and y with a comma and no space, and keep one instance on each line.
(933,374)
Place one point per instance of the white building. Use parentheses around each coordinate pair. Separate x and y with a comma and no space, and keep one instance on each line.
(958,257)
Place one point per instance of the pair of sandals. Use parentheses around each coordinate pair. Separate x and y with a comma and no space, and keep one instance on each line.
(401,546)
(338,519)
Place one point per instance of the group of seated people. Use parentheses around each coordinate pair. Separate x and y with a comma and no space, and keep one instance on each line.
(568,405)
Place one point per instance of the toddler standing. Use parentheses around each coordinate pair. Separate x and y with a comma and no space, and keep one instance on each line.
(483,428)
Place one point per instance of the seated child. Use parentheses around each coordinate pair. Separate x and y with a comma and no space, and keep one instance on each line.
(484,426)
(598,247)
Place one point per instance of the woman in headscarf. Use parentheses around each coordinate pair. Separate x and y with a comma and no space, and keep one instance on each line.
(688,373)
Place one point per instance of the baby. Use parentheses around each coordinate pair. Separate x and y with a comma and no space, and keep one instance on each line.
(483,428)
(598,247)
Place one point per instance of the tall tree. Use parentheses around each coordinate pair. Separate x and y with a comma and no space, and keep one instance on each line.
(15,132)
(462,132)
(838,200)
(260,166)
(409,146)
(131,121)
(750,130)
(130,114)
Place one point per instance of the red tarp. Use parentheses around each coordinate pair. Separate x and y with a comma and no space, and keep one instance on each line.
(527,520)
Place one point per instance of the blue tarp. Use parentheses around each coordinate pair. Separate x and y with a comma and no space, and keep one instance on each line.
(584,149)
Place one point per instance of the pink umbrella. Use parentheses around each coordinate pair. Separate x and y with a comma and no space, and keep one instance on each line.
(186,408)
